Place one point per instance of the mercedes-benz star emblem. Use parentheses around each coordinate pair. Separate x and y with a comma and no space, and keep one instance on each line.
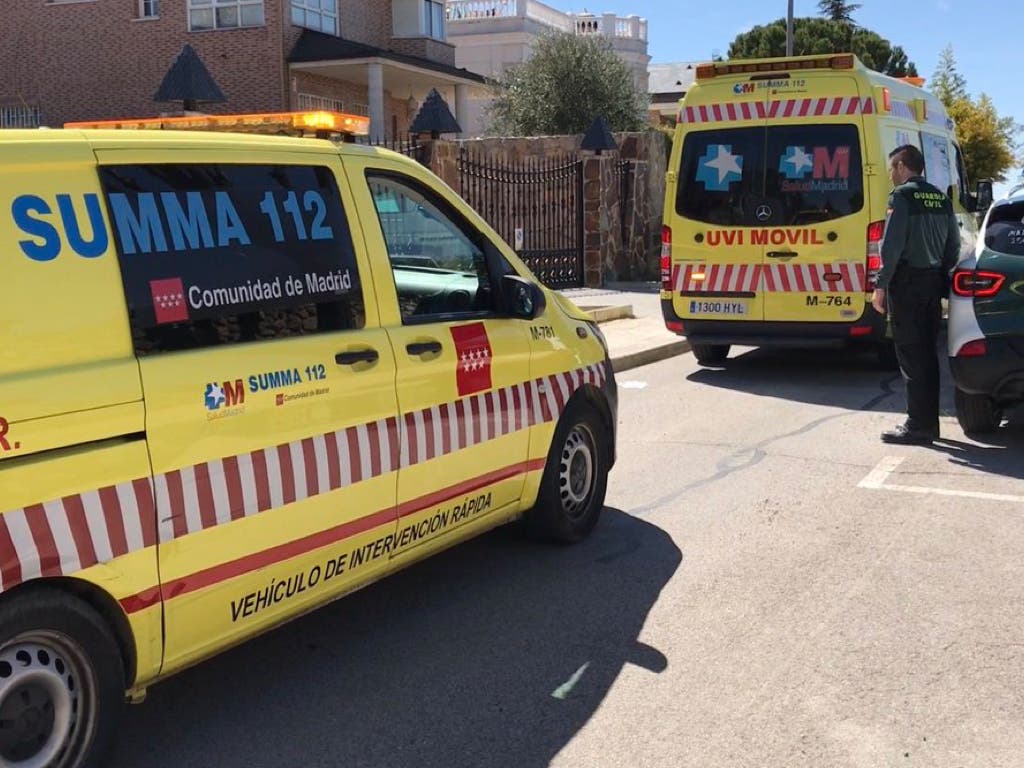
(763,212)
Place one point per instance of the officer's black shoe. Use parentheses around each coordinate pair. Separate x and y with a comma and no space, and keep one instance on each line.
(903,435)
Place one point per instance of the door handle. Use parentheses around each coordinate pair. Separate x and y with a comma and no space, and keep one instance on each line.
(359,356)
(423,347)
(782,254)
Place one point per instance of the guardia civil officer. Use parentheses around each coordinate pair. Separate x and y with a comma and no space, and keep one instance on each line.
(920,248)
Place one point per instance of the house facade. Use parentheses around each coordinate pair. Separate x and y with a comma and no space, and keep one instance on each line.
(491,35)
(668,83)
(65,60)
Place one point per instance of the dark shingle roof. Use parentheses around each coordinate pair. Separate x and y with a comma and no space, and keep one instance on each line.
(188,79)
(317,46)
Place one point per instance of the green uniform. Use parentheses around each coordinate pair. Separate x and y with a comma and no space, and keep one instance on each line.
(921,231)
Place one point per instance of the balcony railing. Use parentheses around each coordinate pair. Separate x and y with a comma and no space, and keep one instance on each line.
(608,24)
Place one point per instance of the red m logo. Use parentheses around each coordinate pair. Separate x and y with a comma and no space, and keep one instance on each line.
(836,166)
(234,393)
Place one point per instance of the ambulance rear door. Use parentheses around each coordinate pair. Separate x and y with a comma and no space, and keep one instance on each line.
(716,257)
(816,234)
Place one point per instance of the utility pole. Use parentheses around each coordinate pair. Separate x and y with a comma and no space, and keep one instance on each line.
(789,30)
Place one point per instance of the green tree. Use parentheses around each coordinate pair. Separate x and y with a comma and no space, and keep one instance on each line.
(568,81)
(988,142)
(838,10)
(947,82)
(815,35)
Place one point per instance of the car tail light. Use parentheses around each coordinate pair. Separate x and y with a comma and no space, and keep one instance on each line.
(674,325)
(876,230)
(860,330)
(974,348)
(979,284)
(666,259)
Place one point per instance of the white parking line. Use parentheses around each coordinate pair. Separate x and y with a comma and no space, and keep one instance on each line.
(876,478)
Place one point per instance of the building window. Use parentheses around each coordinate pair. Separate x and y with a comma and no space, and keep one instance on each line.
(321,15)
(224,14)
(149,9)
(433,19)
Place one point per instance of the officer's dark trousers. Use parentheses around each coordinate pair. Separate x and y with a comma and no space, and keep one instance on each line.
(915,305)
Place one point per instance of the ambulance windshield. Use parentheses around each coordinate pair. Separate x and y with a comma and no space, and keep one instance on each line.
(784,175)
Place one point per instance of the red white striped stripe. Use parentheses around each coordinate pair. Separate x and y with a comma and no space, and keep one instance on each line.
(785,108)
(62,536)
(843,277)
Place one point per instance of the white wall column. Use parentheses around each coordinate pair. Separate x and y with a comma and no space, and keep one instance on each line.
(375,86)
(462,108)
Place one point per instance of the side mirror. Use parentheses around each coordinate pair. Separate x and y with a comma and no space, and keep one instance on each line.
(984,196)
(523,299)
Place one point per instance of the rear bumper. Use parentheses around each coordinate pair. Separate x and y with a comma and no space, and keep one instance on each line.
(999,373)
(870,326)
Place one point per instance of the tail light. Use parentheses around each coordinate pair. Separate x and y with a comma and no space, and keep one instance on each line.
(666,259)
(974,348)
(876,230)
(978,284)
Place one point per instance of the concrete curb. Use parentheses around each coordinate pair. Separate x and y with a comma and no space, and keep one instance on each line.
(605,314)
(651,355)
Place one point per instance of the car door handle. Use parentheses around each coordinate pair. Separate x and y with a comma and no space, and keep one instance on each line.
(359,356)
(423,348)
(782,254)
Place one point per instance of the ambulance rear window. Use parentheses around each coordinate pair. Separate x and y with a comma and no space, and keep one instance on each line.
(782,175)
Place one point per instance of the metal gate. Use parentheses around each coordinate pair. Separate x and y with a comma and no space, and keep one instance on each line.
(536,205)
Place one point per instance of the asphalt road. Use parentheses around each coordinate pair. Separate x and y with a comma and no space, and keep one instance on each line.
(770,585)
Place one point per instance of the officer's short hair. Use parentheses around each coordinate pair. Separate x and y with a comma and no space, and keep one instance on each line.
(910,156)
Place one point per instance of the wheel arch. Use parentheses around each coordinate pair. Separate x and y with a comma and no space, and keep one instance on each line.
(108,608)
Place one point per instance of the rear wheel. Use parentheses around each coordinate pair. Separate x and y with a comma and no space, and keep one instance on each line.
(575,478)
(61,683)
(710,354)
(977,413)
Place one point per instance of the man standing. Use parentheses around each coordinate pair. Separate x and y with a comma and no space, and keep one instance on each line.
(920,247)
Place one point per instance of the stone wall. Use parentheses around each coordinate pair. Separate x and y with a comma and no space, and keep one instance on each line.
(622,237)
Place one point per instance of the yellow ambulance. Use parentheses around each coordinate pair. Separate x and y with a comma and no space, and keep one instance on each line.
(776,197)
(241,376)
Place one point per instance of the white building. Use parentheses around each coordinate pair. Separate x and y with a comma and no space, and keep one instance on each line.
(491,35)
(668,83)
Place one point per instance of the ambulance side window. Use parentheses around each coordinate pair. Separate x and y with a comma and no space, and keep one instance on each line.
(961,175)
(438,260)
(217,254)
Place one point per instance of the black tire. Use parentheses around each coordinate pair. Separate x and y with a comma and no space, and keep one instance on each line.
(710,354)
(977,414)
(575,478)
(61,682)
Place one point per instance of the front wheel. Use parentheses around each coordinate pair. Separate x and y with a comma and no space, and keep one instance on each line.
(575,478)
(61,683)
(710,354)
(977,414)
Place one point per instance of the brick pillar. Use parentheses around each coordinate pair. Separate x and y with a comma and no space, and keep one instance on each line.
(602,237)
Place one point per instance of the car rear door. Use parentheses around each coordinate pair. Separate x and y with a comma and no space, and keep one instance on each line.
(814,184)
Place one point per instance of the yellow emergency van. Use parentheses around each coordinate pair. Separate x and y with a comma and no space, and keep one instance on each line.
(776,197)
(242,376)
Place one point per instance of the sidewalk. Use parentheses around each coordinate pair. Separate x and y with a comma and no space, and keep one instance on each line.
(631,321)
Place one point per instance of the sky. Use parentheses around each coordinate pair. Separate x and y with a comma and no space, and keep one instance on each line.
(692,30)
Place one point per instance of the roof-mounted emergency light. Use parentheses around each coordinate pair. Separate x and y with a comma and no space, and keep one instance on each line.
(291,123)
(838,61)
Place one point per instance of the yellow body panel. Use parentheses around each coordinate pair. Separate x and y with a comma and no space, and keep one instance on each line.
(307,475)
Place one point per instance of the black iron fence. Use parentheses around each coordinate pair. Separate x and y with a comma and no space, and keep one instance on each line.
(536,205)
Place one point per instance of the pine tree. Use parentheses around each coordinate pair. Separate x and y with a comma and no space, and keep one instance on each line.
(947,82)
(838,10)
